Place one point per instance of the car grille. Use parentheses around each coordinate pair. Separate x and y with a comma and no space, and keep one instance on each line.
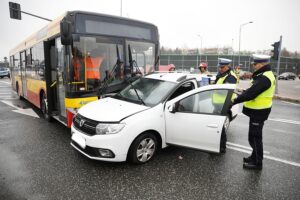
(85,125)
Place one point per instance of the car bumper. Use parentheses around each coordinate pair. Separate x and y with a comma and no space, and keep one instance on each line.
(90,145)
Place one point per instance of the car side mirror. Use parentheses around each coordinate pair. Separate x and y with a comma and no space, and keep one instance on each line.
(171,108)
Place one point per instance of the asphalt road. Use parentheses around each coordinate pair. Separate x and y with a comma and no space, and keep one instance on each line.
(37,162)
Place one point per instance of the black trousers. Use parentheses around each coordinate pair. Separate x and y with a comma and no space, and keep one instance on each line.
(255,139)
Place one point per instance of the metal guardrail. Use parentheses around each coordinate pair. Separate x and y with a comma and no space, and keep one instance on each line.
(185,62)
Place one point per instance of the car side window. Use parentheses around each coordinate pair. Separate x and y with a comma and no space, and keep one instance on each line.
(182,89)
(207,102)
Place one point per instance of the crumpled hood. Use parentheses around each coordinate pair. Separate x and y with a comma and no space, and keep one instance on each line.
(110,110)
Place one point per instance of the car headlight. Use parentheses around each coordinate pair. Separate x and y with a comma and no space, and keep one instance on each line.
(103,129)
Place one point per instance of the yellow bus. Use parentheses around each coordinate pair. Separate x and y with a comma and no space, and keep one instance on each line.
(67,64)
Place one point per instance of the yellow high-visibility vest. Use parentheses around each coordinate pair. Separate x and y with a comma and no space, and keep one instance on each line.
(264,100)
(219,98)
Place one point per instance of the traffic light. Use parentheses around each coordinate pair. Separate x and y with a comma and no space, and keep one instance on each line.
(15,10)
(276,50)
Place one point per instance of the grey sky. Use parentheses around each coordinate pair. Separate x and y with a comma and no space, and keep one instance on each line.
(179,21)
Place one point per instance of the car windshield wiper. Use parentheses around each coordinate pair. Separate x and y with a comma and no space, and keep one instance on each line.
(137,94)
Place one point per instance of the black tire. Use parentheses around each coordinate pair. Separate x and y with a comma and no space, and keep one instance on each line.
(18,91)
(44,108)
(147,146)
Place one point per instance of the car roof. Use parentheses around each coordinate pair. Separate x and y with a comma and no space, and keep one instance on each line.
(168,76)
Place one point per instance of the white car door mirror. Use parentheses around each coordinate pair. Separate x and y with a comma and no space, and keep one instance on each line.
(171,108)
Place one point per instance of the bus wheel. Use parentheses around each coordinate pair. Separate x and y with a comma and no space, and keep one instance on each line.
(18,91)
(44,108)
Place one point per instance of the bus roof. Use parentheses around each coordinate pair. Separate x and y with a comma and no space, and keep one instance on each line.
(53,28)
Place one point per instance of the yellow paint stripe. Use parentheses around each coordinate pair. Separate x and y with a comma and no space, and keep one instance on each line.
(54,83)
(78,102)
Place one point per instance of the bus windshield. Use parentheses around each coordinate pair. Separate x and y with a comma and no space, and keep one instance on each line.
(143,54)
(92,58)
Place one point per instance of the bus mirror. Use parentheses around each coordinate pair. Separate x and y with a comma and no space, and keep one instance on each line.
(65,29)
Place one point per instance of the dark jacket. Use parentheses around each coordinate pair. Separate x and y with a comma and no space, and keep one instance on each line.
(229,79)
(260,84)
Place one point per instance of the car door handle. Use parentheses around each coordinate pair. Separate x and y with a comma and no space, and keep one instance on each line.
(212,125)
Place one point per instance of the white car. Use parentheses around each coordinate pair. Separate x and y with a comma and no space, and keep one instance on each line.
(153,112)
(4,72)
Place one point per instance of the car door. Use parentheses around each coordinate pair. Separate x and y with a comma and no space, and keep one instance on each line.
(195,119)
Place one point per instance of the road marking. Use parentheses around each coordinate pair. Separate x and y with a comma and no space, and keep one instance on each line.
(267,157)
(295,104)
(244,147)
(5,82)
(285,121)
(278,120)
(5,96)
(26,111)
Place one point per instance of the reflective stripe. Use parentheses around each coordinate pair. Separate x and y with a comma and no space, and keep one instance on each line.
(264,100)
(93,67)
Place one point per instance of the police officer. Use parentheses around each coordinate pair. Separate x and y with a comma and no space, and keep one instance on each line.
(225,75)
(257,106)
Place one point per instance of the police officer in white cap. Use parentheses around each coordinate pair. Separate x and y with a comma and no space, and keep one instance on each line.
(257,106)
(225,75)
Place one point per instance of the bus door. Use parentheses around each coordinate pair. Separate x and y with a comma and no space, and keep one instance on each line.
(50,76)
(60,78)
(23,73)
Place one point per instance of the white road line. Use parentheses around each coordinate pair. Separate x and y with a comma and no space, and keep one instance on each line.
(10,104)
(5,96)
(12,98)
(267,157)
(278,120)
(295,104)
(285,121)
(244,147)
(5,82)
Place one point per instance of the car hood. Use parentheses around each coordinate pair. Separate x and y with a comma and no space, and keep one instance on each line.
(110,110)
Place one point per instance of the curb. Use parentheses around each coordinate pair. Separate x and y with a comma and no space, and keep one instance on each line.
(287,99)
(276,96)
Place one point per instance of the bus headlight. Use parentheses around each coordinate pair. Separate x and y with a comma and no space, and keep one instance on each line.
(103,129)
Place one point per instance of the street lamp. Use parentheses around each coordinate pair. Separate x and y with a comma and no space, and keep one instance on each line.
(240,38)
(121,8)
(200,47)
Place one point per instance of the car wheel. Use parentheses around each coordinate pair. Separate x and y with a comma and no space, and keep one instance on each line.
(143,148)
(44,108)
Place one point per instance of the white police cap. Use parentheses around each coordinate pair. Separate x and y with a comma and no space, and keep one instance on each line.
(257,58)
(224,61)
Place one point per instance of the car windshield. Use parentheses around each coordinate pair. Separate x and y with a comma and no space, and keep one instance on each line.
(147,91)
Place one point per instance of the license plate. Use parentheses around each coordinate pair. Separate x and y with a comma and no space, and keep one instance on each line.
(79,140)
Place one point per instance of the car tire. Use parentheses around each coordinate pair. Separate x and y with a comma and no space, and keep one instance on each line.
(143,148)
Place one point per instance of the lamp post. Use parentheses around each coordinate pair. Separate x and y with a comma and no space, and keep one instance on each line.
(200,46)
(240,38)
(121,8)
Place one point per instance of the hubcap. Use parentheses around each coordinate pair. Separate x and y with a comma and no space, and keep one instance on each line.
(145,150)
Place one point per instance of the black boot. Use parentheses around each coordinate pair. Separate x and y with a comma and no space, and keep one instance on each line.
(248,159)
(252,165)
